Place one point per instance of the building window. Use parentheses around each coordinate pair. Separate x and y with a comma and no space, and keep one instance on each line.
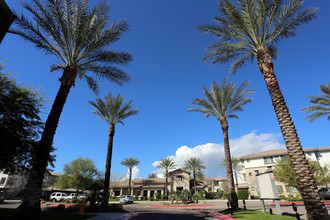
(291,189)
(279,189)
(250,174)
(2,181)
(268,160)
(179,178)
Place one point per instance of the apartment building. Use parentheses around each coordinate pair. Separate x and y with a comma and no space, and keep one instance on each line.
(178,180)
(245,170)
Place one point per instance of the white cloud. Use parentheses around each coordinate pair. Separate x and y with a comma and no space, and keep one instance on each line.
(135,174)
(212,154)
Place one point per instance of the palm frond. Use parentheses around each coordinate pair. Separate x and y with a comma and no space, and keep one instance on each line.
(322,104)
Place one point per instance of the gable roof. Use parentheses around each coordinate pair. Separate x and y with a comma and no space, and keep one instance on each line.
(280,152)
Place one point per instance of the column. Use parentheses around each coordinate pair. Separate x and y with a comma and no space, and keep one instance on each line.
(121,191)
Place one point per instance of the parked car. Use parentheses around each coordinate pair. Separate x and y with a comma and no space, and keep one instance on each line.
(75,195)
(126,199)
(57,196)
(325,192)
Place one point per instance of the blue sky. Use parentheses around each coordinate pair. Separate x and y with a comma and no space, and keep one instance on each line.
(167,73)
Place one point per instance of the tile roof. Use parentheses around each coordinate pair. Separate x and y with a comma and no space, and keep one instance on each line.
(280,152)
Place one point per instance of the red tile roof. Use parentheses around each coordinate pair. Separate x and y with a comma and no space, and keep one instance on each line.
(280,152)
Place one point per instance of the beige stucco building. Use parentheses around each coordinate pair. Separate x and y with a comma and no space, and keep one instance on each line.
(178,180)
(245,171)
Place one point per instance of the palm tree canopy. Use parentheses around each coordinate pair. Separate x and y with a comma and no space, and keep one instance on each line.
(322,104)
(224,101)
(251,25)
(194,164)
(77,36)
(152,176)
(130,162)
(166,164)
(113,110)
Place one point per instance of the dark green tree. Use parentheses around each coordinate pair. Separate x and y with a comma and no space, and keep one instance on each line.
(223,102)
(78,174)
(130,163)
(321,105)
(249,29)
(20,124)
(195,165)
(79,36)
(112,111)
(166,165)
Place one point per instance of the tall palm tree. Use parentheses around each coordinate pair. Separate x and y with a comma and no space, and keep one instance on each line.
(195,165)
(112,111)
(252,28)
(322,104)
(130,163)
(166,164)
(80,38)
(223,102)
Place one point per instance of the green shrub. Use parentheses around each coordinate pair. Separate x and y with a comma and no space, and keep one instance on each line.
(219,194)
(195,197)
(299,196)
(243,194)
(151,199)
(163,197)
(281,197)
(157,196)
(225,195)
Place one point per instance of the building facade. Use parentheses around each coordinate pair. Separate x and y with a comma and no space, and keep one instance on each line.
(245,170)
(178,180)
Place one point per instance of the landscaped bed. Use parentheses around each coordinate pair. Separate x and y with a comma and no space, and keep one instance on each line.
(253,215)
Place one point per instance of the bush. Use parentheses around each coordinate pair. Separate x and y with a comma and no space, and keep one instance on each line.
(254,197)
(281,197)
(157,196)
(195,197)
(163,197)
(219,194)
(225,195)
(243,194)
(151,199)
(299,197)
(290,197)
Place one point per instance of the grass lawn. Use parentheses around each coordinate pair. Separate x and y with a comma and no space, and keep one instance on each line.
(252,215)
(7,214)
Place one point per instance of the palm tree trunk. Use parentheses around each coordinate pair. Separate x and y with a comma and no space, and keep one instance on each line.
(166,190)
(195,187)
(306,183)
(129,181)
(108,166)
(232,196)
(30,207)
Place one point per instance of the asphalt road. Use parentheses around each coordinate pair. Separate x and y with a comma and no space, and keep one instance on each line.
(144,210)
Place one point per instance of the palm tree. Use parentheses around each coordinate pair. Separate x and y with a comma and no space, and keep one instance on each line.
(80,39)
(166,164)
(322,104)
(223,103)
(112,111)
(130,163)
(152,176)
(195,165)
(252,28)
